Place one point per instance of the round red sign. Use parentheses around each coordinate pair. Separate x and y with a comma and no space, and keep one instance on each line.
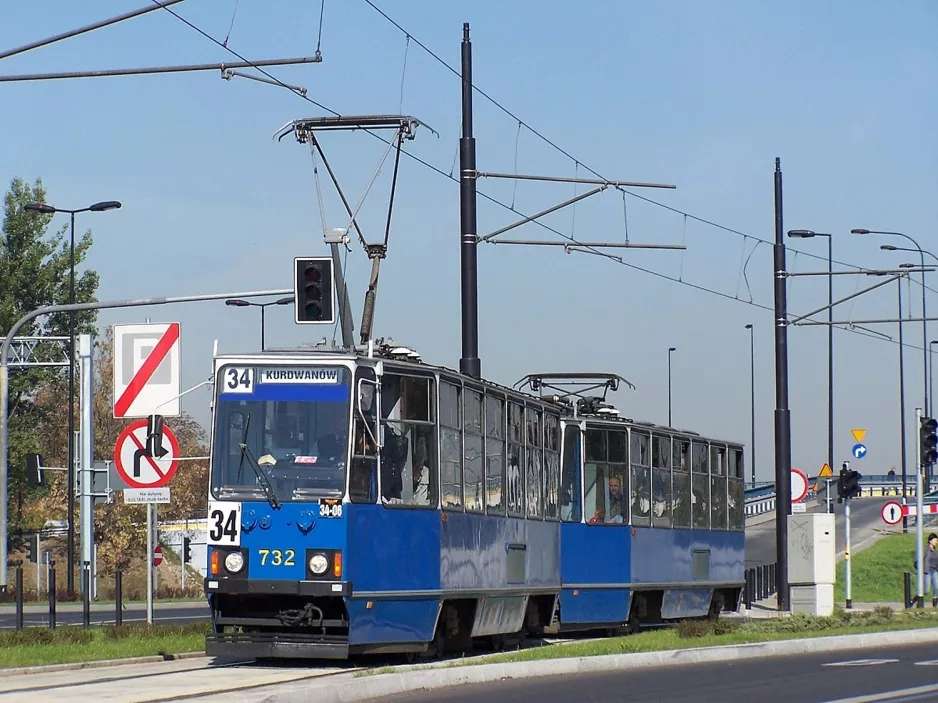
(157,555)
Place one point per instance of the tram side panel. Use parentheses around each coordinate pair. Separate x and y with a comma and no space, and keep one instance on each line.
(595,565)
(395,572)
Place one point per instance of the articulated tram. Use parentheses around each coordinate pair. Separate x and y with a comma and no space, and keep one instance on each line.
(372,503)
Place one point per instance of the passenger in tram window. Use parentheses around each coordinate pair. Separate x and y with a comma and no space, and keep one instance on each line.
(421,474)
(615,513)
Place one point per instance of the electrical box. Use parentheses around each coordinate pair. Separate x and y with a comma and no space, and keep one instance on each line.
(811,551)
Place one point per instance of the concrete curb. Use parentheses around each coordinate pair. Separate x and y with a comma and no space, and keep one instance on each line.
(347,688)
(76,666)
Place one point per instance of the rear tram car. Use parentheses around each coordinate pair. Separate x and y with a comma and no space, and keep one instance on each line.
(376,504)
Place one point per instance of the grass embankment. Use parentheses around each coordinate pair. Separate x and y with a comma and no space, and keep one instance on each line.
(36,646)
(690,634)
(876,572)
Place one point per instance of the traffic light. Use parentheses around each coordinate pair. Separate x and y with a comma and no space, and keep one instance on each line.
(32,548)
(848,483)
(186,550)
(929,441)
(314,290)
(155,436)
(34,473)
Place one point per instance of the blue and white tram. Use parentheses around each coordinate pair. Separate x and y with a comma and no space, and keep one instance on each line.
(373,504)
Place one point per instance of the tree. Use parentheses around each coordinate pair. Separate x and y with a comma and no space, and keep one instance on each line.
(34,272)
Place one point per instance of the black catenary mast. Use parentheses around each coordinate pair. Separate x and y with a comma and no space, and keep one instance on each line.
(469,363)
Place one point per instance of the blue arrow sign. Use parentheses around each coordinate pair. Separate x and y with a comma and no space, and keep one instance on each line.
(859,451)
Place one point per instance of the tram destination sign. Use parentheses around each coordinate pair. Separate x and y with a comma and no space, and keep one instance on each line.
(299,374)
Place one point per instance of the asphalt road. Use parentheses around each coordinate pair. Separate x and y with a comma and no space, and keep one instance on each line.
(885,675)
(866,524)
(105,615)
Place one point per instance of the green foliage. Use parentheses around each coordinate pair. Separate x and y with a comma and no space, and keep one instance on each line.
(42,635)
(35,268)
(876,572)
(145,630)
(705,628)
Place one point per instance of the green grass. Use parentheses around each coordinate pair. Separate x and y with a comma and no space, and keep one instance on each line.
(692,634)
(37,646)
(876,572)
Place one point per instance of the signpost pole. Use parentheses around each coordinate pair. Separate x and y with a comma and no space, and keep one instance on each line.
(847,584)
(828,495)
(85,450)
(919,556)
(150,507)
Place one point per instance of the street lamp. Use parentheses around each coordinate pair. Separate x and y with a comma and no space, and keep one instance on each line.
(921,254)
(246,304)
(670,349)
(890,247)
(752,382)
(45,209)
(931,372)
(807,234)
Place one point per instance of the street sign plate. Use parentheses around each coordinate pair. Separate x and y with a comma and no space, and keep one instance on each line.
(858,451)
(138,470)
(799,485)
(858,435)
(137,496)
(146,370)
(157,555)
(892,512)
(799,508)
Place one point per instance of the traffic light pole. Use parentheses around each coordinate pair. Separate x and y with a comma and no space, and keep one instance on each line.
(919,548)
(848,581)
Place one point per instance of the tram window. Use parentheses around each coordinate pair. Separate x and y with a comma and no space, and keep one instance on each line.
(736,463)
(570,503)
(535,457)
(408,438)
(514,470)
(605,500)
(450,445)
(551,466)
(407,398)
(736,498)
(618,447)
(596,445)
(640,488)
(661,481)
(494,455)
(717,460)
(681,498)
(718,502)
(700,486)
(473,447)
(680,454)
(363,474)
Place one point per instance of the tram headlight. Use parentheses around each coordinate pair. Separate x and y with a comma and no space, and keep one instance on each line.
(318,564)
(234,562)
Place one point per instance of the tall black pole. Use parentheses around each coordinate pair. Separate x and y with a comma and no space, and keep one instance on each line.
(830,352)
(782,414)
(469,363)
(925,409)
(262,326)
(752,390)
(905,520)
(70,473)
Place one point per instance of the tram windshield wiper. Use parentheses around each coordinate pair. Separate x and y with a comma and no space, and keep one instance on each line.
(259,472)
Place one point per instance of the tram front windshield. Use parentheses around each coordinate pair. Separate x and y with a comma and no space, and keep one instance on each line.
(296,443)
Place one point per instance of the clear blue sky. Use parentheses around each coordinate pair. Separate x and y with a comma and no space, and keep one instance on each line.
(702,95)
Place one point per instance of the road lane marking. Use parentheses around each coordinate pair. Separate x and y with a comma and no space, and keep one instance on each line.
(897,696)
(862,662)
